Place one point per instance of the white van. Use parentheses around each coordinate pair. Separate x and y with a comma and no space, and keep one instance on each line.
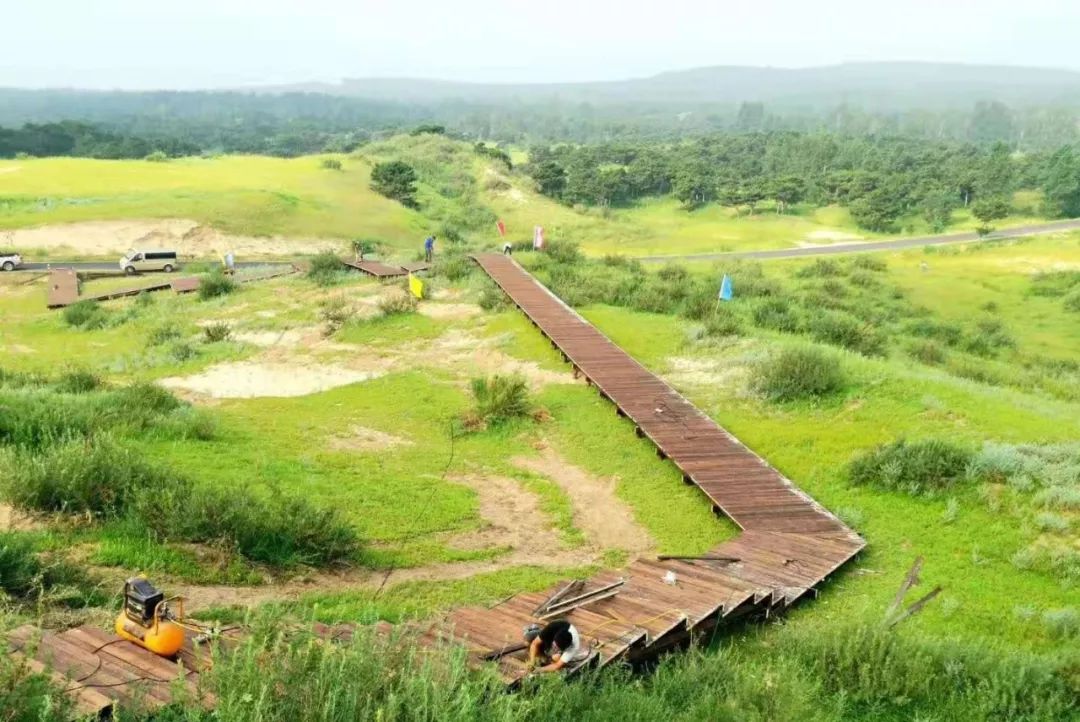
(149,260)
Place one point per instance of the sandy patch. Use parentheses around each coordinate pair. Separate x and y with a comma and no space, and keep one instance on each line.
(476,356)
(449,311)
(10,170)
(18,348)
(11,519)
(604,518)
(361,438)
(188,237)
(694,371)
(289,338)
(249,379)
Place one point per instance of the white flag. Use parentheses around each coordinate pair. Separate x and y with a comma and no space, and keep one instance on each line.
(538,238)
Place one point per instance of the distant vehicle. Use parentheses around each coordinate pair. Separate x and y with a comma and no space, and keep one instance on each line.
(149,260)
(9,261)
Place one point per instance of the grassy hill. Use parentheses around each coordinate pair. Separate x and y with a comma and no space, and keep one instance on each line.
(459,191)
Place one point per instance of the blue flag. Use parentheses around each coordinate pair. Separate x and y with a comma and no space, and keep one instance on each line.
(725,288)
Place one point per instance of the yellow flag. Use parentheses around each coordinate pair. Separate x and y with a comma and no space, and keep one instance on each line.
(416,286)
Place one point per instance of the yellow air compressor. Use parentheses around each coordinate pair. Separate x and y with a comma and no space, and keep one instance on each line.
(146,619)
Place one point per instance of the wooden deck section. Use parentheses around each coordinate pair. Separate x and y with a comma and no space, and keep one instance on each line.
(789,544)
(64,285)
(100,671)
(377,269)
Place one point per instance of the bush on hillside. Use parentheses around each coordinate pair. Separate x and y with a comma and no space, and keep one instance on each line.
(948,333)
(26,577)
(843,329)
(869,263)
(927,352)
(78,381)
(335,312)
(820,268)
(216,284)
(397,304)
(86,314)
(217,332)
(453,266)
(164,334)
(563,252)
(325,269)
(776,314)
(723,322)
(798,373)
(498,399)
(920,467)
(492,298)
(990,337)
(1071,302)
(330,164)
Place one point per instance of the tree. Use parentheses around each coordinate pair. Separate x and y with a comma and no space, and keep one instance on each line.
(987,210)
(937,207)
(395,179)
(751,116)
(1062,185)
(787,190)
(550,176)
(876,211)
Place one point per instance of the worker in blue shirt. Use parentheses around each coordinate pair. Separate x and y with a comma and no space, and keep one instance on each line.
(429,248)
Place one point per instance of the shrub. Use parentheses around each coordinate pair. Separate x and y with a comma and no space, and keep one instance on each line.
(87,314)
(723,322)
(927,466)
(492,298)
(163,334)
(798,373)
(927,352)
(563,252)
(335,312)
(870,263)
(157,157)
(820,268)
(1054,283)
(325,269)
(1071,302)
(330,164)
(949,334)
(217,332)
(396,304)
(673,272)
(145,299)
(1048,521)
(24,576)
(453,266)
(777,314)
(80,477)
(79,381)
(216,284)
(990,337)
(863,279)
(1062,623)
(843,329)
(182,351)
(498,399)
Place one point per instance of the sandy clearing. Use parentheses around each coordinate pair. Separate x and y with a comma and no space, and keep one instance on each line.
(13,169)
(362,438)
(188,237)
(250,379)
(11,519)
(605,519)
(449,311)
(479,356)
(691,371)
(18,348)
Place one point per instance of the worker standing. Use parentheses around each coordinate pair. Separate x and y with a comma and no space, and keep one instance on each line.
(429,248)
(554,646)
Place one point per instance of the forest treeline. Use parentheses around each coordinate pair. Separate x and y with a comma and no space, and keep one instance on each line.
(880,180)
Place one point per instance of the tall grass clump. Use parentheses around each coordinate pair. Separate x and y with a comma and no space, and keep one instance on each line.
(215,285)
(87,314)
(843,329)
(26,577)
(798,373)
(776,314)
(217,332)
(453,266)
(492,298)
(326,269)
(498,399)
(397,304)
(919,467)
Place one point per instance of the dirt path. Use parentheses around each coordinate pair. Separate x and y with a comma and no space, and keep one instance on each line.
(604,518)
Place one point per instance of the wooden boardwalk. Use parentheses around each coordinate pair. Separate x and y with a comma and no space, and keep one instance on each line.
(64,287)
(789,544)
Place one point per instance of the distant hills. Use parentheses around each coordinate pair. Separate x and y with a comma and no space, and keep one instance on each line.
(873,86)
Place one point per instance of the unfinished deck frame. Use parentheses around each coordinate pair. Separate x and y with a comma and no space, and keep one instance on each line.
(789,543)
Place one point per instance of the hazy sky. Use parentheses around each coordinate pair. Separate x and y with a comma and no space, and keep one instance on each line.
(207,43)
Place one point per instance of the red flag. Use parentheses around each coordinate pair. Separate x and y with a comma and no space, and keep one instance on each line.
(502,228)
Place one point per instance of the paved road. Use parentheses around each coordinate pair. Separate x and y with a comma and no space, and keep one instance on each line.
(106,266)
(895,244)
